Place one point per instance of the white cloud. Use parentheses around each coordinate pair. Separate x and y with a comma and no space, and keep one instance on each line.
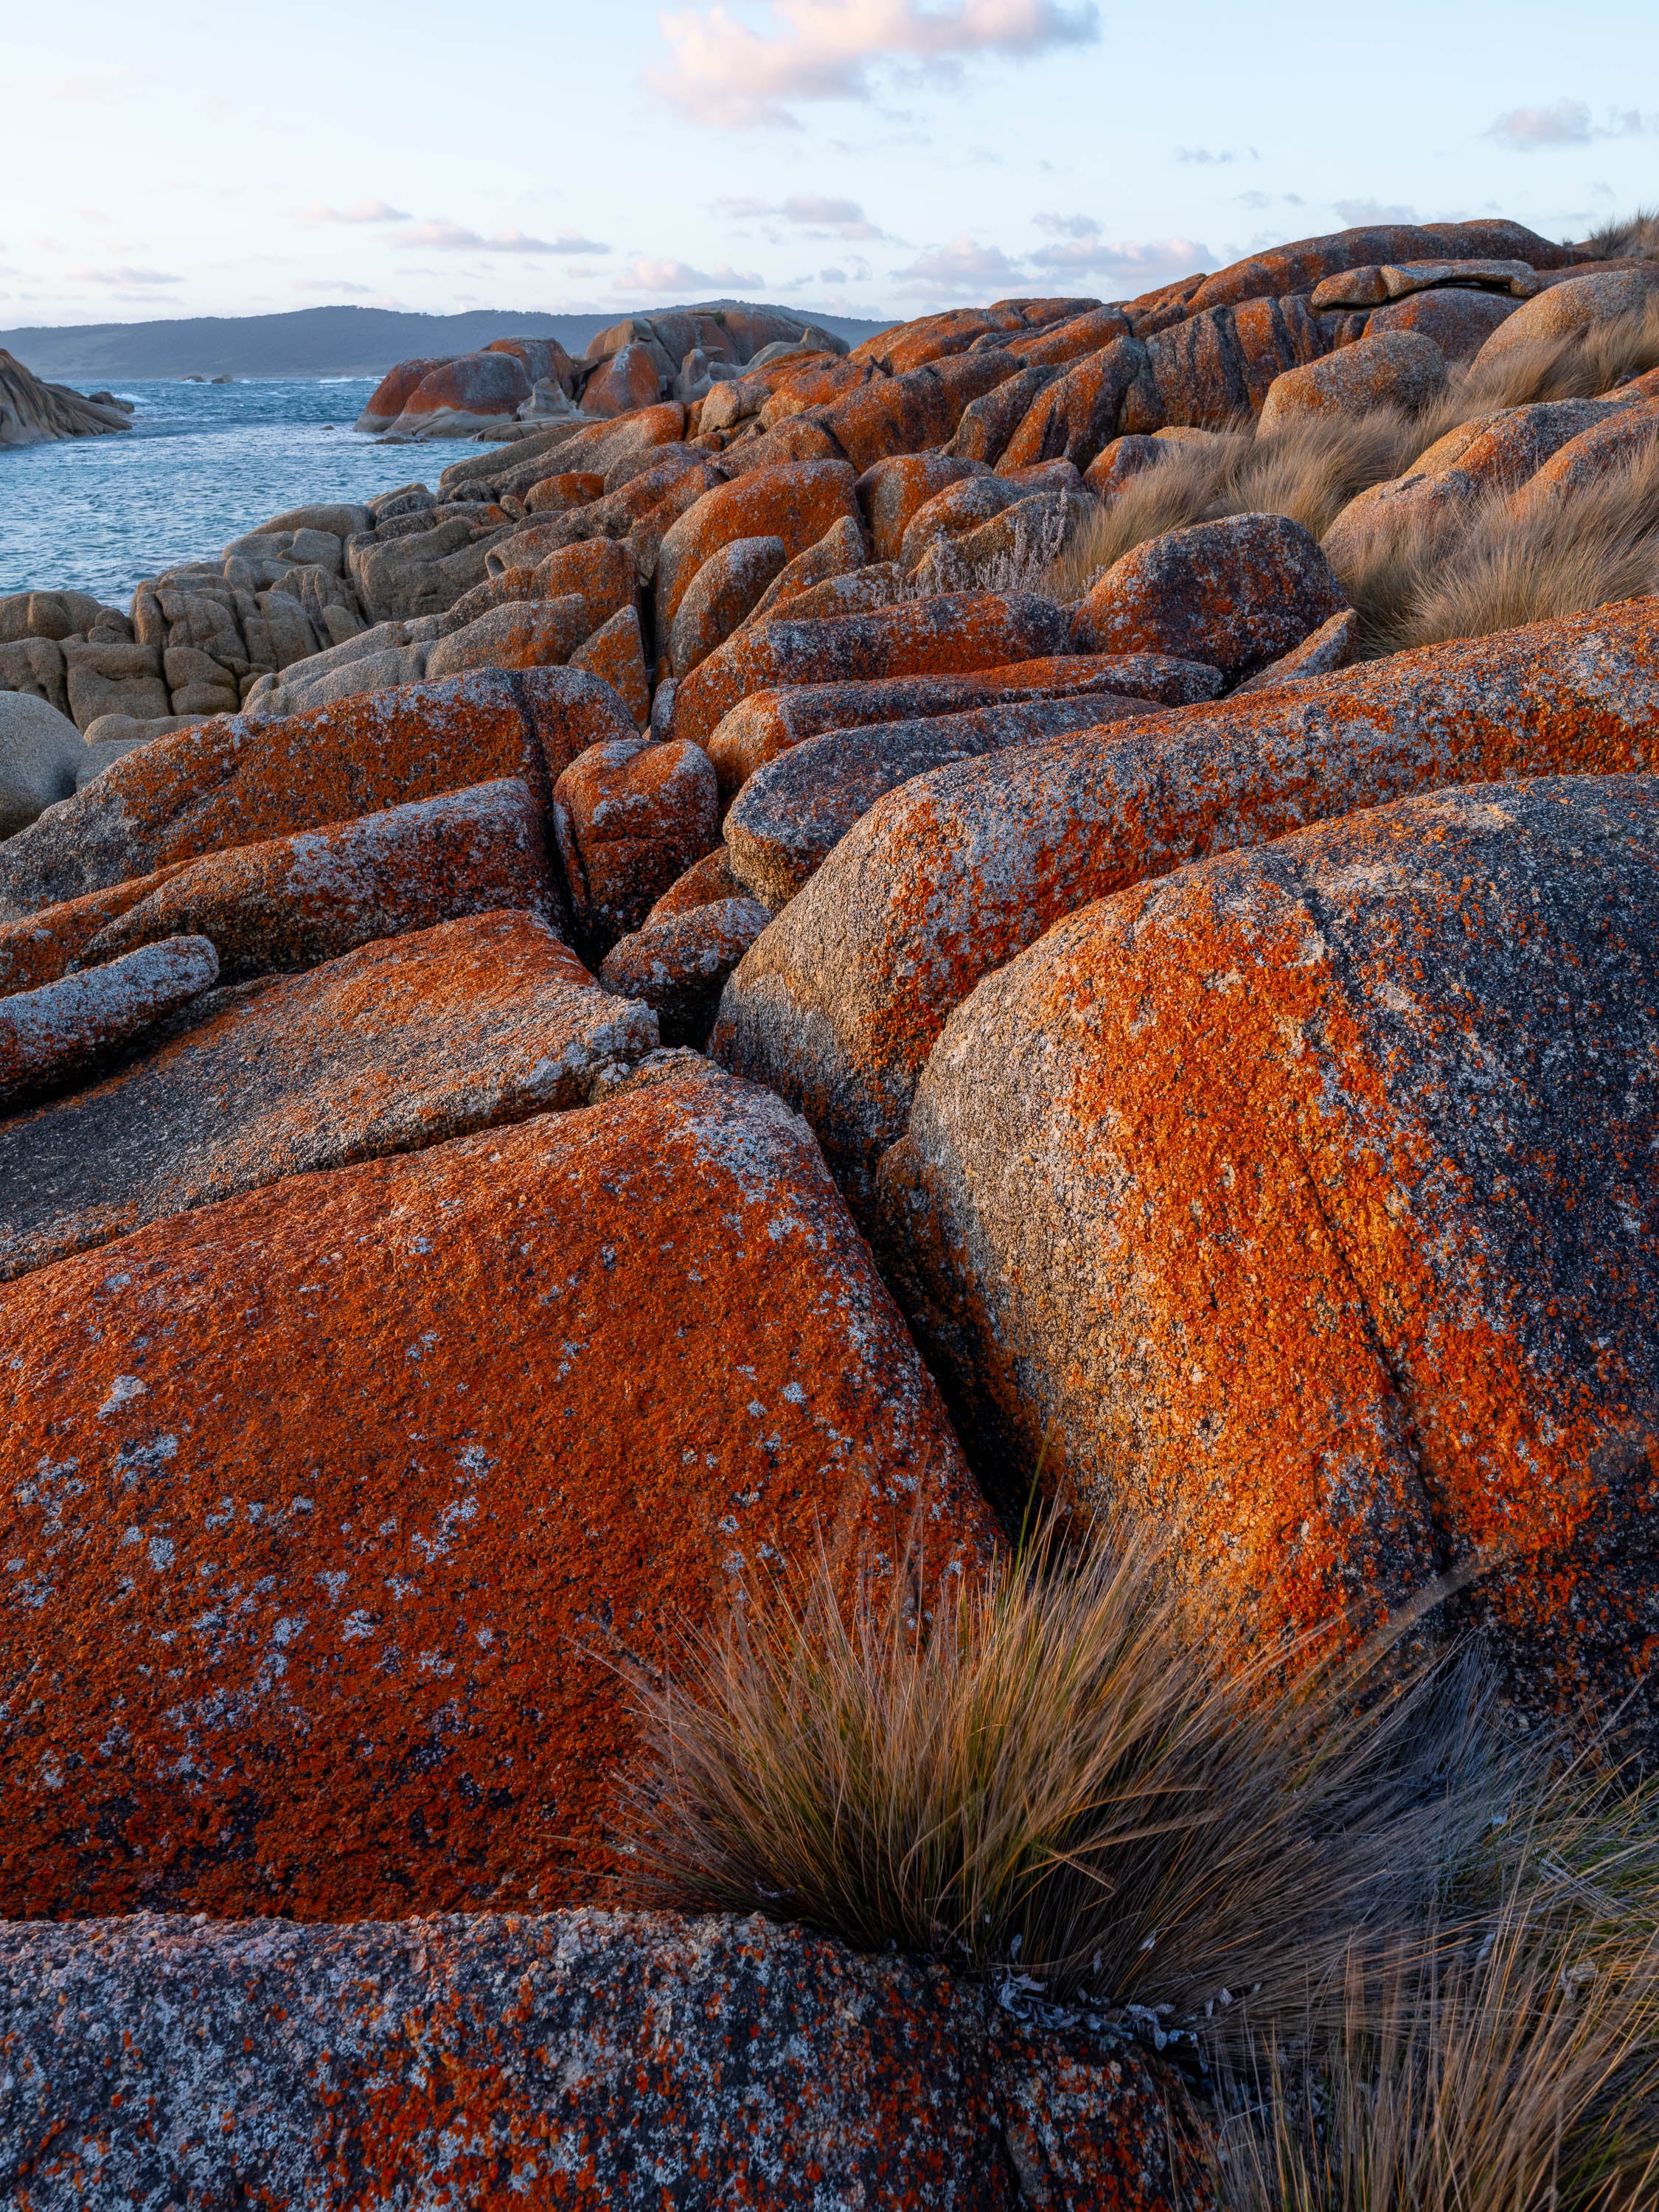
(728,76)
(1568,122)
(1137,263)
(1201,157)
(811,212)
(963,269)
(650,273)
(1354,215)
(455,238)
(125,279)
(364,211)
(322,284)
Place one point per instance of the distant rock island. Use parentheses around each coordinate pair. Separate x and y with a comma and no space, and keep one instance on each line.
(322,341)
(33,414)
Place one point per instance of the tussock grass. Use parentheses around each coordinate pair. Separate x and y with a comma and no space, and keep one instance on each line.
(1634,238)
(1309,469)
(1508,2063)
(1433,578)
(1056,1767)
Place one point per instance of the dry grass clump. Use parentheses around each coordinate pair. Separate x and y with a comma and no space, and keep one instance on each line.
(1309,470)
(1508,2062)
(1054,1768)
(1436,577)
(1635,238)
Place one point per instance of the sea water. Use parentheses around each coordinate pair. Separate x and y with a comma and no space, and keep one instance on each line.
(203,463)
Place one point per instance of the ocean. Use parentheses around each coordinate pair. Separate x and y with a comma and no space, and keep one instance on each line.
(203,463)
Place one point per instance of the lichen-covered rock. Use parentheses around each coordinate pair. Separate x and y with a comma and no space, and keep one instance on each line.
(950,635)
(414,1452)
(1301,266)
(233,782)
(1073,416)
(768,723)
(386,401)
(1563,310)
(471,392)
(841,1002)
(842,551)
(1333,645)
(631,816)
(797,501)
(908,412)
(113,679)
(1388,1304)
(54,1034)
(638,2059)
(1460,323)
(616,655)
(892,491)
(987,424)
(1123,460)
(630,378)
(1238,593)
(599,570)
(525,634)
(728,586)
(677,963)
(792,813)
(1385,368)
(1590,458)
(404,1043)
(705,881)
(291,901)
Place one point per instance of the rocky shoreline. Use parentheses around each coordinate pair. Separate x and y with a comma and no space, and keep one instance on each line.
(714,991)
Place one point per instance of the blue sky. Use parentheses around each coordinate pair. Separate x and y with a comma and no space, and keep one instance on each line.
(868,156)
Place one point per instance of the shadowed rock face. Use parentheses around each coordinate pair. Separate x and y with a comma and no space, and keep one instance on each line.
(631,2059)
(840,1003)
(393,1464)
(1306,1193)
(407,1042)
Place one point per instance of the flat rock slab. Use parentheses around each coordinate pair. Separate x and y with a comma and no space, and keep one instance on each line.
(337,1505)
(840,1003)
(292,902)
(407,1042)
(792,814)
(235,782)
(767,724)
(1304,1198)
(52,1036)
(630,2060)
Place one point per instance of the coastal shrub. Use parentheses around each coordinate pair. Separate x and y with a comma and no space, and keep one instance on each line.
(1056,1767)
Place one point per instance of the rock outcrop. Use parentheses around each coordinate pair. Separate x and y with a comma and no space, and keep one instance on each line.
(35,414)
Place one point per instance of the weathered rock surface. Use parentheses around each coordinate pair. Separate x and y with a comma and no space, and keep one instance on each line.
(1238,593)
(33,414)
(840,1003)
(1598,296)
(404,1043)
(1335,1327)
(1460,323)
(631,816)
(41,752)
(945,635)
(792,813)
(797,503)
(1385,368)
(728,586)
(292,902)
(472,2059)
(238,782)
(678,963)
(414,1450)
(56,1033)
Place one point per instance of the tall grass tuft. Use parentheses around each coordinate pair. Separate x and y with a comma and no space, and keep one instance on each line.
(1056,1766)
(1434,578)
(1634,238)
(1506,2062)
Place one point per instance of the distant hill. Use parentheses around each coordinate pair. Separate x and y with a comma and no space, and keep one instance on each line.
(315,341)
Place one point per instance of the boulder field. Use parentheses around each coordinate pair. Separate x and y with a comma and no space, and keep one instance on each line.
(710,997)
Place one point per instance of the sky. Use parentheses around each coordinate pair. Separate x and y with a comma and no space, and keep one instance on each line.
(861,157)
